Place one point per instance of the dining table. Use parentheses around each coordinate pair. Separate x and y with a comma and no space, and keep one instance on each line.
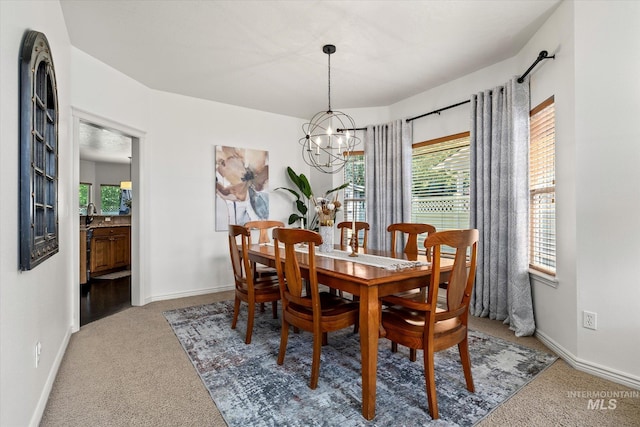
(369,275)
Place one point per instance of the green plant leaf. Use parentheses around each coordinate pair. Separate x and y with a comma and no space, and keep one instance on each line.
(302,207)
(290,191)
(293,218)
(345,185)
(305,187)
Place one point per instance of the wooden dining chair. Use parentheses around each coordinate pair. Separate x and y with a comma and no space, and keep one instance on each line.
(249,288)
(410,231)
(264,227)
(421,325)
(348,225)
(309,310)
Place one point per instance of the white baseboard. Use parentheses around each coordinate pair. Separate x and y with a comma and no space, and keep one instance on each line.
(589,367)
(191,293)
(51,377)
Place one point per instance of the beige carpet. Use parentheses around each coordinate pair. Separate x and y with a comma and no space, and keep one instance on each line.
(130,370)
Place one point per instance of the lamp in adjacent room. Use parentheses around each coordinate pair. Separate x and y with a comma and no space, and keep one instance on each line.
(330,135)
(126,185)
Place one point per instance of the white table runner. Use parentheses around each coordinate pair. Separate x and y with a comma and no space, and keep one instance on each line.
(367,259)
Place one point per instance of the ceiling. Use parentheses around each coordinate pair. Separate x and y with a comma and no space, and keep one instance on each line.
(267,55)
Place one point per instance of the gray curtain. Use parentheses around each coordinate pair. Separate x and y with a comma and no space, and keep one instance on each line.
(500,205)
(387,151)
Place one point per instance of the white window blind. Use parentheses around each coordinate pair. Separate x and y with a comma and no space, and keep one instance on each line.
(542,181)
(354,172)
(440,187)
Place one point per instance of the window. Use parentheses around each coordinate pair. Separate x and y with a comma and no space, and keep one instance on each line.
(354,201)
(440,182)
(542,192)
(110,199)
(84,197)
(38,152)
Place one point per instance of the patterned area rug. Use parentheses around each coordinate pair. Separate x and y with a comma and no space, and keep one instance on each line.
(250,389)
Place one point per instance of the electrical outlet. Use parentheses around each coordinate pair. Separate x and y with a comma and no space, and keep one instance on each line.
(589,320)
(38,350)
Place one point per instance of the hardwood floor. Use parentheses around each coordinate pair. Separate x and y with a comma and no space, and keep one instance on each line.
(100,298)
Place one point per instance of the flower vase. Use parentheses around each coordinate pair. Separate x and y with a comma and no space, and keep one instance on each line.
(327,233)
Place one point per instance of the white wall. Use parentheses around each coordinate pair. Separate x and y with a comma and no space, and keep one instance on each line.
(34,305)
(607,86)
(187,255)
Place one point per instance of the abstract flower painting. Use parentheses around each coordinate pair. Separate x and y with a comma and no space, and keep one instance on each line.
(242,181)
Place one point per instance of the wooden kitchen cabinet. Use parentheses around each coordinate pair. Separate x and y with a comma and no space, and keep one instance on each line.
(110,249)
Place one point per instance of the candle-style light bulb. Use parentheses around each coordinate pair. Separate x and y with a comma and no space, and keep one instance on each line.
(329,130)
(318,145)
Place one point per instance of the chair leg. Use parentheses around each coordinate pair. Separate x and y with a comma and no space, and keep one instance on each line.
(236,310)
(394,347)
(325,338)
(261,307)
(251,316)
(412,354)
(274,309)
(315,363)
(463,347)
(284,336)
(430,379)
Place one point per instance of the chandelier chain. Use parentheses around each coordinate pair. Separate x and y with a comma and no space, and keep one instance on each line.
(329,80)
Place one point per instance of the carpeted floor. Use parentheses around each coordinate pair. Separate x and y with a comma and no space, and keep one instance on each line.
(129,369)
(249,388)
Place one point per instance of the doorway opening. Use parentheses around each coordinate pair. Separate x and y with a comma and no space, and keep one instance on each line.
(108,191)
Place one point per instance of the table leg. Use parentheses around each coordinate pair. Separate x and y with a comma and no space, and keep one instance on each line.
(369,329)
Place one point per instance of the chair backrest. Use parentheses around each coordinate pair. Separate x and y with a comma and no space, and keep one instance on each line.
(242,271)
(264,226)
(348,225)
(410,232)
(289,274)
(465,243)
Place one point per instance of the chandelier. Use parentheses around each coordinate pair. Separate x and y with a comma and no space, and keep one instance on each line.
(330,135)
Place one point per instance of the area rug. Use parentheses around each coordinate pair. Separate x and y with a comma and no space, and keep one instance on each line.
(112,276)
(250,389)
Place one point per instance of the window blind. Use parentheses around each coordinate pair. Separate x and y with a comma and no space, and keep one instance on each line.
(440,184)
(542,181)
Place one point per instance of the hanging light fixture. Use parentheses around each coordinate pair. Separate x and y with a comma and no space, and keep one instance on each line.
(330,135)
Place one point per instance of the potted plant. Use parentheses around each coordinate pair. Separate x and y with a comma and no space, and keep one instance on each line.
(304,195)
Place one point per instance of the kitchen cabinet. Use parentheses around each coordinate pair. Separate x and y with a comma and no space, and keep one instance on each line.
(110,249)
(83,257)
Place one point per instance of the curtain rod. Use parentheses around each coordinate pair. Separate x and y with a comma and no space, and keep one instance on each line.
(542,55)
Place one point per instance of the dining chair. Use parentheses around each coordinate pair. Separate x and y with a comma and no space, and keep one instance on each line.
(348,225)
(305,307)
(264,226)
(422,325)
(250,289)
(410,231)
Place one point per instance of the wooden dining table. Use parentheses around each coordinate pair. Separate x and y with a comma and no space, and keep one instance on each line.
(369,283)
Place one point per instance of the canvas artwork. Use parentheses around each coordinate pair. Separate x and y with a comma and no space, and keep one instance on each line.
(242,181)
